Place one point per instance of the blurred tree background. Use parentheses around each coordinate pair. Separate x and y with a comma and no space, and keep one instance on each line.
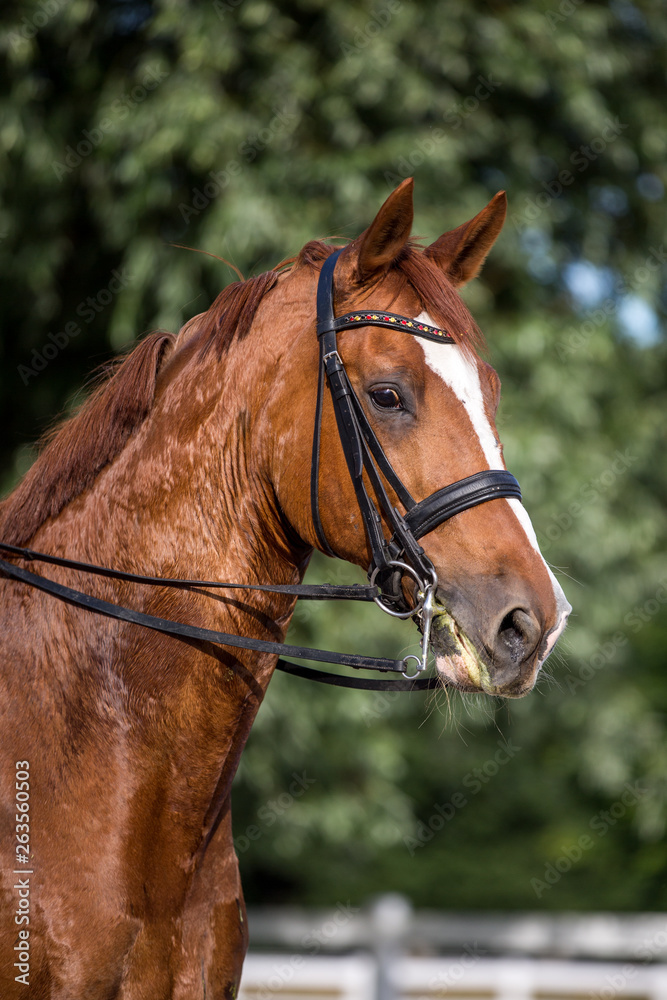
(245,128)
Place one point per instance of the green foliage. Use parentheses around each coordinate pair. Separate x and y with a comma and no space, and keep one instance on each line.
(246,127)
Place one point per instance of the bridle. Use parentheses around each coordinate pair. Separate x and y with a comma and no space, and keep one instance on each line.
(391,558)
(401,553)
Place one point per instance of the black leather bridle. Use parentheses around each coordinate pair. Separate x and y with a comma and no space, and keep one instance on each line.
(401,554)
(391,558)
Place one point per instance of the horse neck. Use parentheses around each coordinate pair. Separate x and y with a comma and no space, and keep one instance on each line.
(189,496)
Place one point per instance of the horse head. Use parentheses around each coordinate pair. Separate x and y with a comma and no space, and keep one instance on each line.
(432,407)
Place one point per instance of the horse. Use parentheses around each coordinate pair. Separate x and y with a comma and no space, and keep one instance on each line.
(195,458)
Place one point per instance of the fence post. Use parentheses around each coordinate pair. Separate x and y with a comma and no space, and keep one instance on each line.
(391,915)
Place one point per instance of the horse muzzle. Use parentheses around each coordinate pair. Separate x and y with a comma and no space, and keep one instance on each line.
(501,657)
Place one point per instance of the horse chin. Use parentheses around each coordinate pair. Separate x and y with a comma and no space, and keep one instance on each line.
(460,665)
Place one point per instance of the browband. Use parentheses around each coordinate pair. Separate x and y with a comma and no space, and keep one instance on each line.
(393,322)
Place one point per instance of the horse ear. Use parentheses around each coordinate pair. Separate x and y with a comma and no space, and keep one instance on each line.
(461,252)
(387,234)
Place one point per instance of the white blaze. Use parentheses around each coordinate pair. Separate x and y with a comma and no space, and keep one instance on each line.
(460,373)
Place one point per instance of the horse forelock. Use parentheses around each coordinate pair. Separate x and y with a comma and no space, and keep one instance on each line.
(439,298)
(438,295)
(230,317)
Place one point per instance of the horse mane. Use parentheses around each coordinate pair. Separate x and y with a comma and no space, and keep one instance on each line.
(75,451)
(78,448)
(231,315)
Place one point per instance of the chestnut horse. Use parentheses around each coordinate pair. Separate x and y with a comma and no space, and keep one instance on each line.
(194,460)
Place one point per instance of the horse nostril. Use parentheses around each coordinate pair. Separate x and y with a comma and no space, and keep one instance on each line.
(518,635)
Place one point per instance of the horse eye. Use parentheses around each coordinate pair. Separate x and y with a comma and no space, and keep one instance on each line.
(387,399)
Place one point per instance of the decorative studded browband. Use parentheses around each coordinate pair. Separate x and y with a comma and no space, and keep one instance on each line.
(393,322)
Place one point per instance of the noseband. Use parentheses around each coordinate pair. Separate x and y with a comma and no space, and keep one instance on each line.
(391,558)
(401,553)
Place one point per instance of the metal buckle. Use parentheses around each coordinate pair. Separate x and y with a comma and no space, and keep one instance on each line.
(332,354)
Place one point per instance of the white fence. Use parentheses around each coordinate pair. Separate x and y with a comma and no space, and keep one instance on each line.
(389,953)
(355,977)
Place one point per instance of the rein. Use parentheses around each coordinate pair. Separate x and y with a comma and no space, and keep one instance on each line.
(391,559)
(340,592)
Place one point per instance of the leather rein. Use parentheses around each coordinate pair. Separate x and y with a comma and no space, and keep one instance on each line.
(392,558)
